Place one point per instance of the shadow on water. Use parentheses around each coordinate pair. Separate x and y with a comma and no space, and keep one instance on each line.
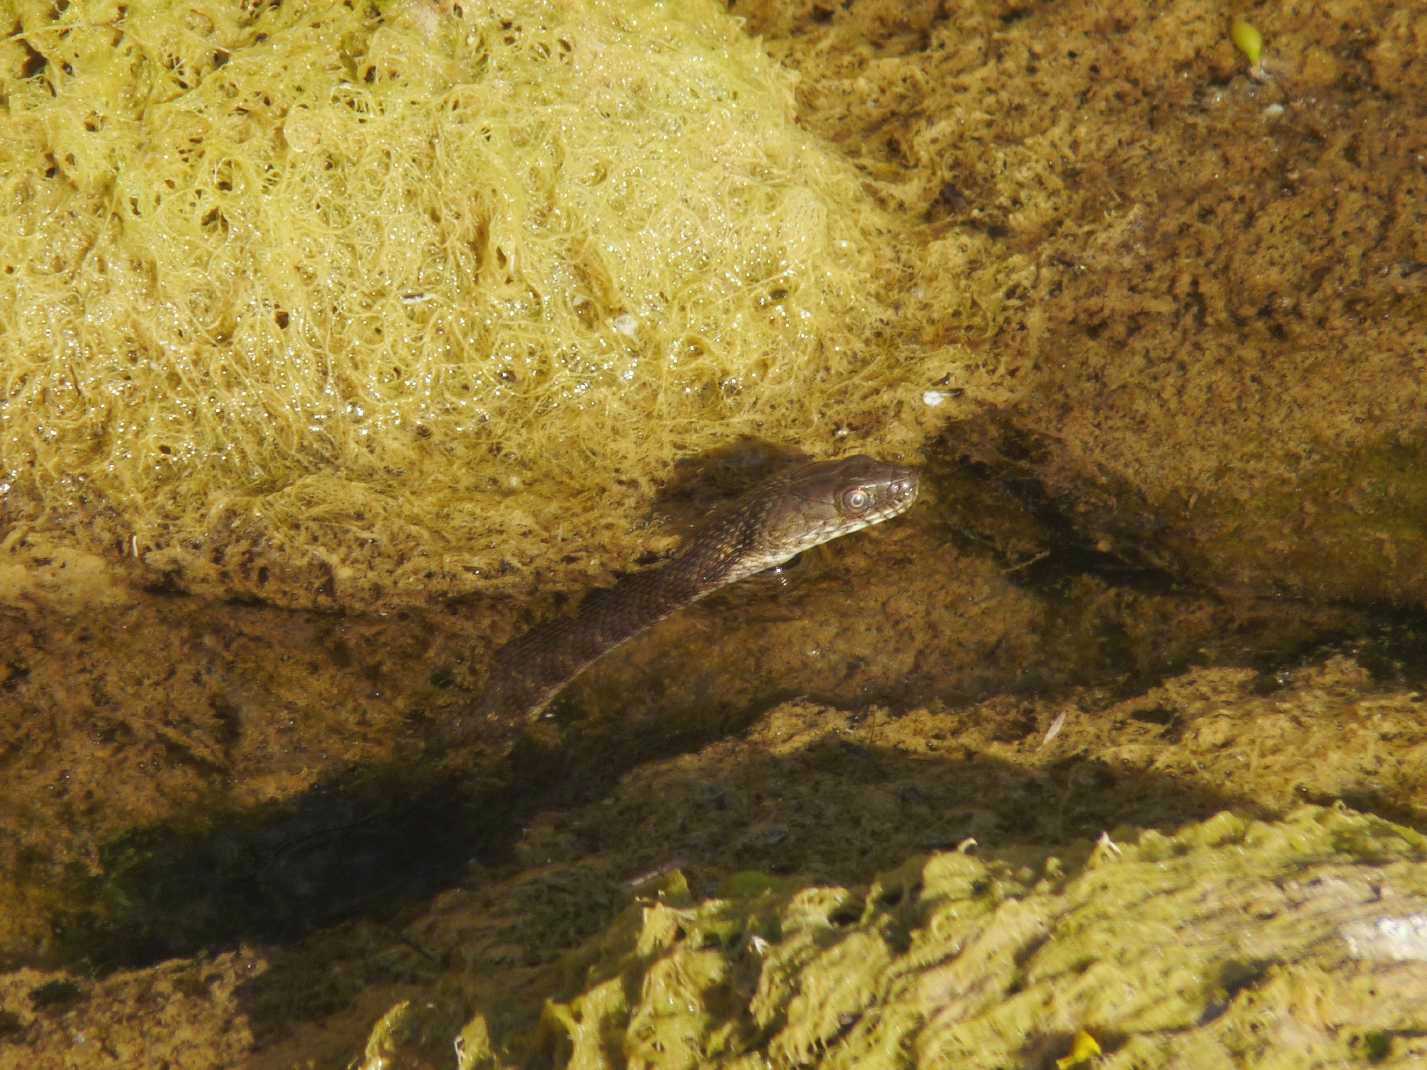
(371,840)
(363,842)
(357,846)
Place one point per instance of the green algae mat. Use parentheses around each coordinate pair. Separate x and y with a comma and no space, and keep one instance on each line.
(1299,943)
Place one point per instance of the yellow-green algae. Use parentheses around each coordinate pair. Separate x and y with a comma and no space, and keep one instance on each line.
(341,301)
(1198,341)
(1231,943)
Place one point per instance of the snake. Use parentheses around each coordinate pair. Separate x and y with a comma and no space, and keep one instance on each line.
(791,511)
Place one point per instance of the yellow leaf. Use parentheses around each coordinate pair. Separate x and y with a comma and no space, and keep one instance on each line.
(1082,1050)
(1247,40)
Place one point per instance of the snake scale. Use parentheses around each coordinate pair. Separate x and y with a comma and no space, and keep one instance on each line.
(791,511)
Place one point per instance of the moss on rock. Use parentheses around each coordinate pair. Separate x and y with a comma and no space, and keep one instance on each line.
(341,303)
(1299,942)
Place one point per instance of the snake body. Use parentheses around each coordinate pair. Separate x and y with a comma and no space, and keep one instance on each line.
(792,511)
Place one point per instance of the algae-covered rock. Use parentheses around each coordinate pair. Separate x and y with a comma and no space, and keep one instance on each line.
(731,901)
(1216,334)
(368,302)
(180,1014)
(1300,942)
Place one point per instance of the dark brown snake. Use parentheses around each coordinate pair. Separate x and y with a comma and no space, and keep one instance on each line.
(790,512)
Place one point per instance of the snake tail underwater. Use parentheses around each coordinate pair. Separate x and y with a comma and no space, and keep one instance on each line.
(791,511)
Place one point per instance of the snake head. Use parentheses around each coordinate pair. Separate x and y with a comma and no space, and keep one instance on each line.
(814,503)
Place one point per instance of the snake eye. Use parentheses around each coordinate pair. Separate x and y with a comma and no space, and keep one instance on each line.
(855,500)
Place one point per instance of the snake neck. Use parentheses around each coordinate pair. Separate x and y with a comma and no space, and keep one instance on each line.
(531,670)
